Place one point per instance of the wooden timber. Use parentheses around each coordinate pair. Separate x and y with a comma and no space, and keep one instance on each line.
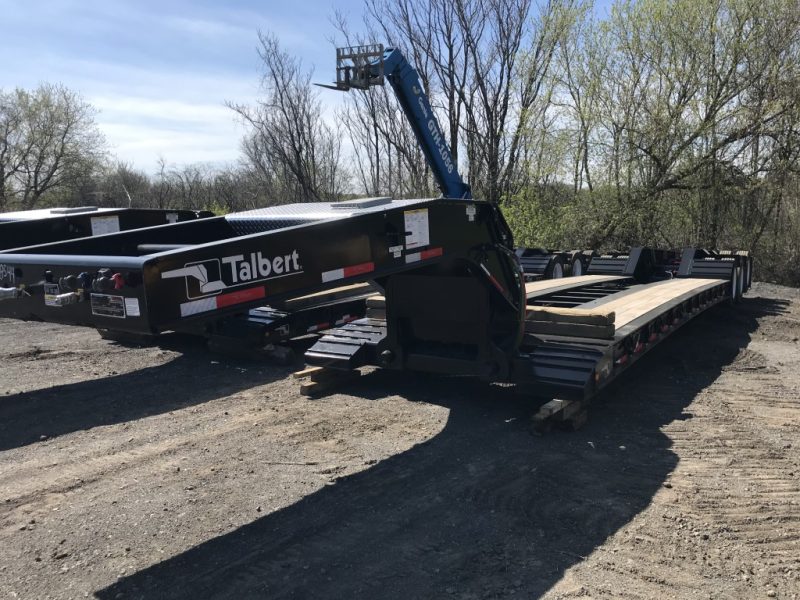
(608,315)
(632,306)
(537,288)
(339,293)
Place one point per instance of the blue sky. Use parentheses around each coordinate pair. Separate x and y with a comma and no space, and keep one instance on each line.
(160,71)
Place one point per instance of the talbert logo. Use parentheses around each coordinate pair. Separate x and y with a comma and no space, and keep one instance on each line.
(211,277)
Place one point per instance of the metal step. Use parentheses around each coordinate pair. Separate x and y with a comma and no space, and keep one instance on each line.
(566,371)
(348,347)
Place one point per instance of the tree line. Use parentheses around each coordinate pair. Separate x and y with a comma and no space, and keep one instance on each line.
(662,122)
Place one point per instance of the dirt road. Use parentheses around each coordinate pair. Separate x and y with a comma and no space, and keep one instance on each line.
(170,473)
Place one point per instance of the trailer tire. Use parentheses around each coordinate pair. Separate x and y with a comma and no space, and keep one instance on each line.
(555,268)
(748,280)
(742,281)
(735,278)
(577,268)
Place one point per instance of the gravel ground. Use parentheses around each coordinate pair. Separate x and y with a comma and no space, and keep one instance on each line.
(170,473)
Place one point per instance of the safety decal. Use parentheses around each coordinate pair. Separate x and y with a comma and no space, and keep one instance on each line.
(350,271)
(103,225)
(106,305)
(7,275)
(195,307)
(417,229)
(132,307)
(424,255)
(51,294)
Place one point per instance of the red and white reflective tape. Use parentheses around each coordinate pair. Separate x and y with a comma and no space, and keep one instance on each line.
(424,255)
(350,271)
(318,327)
(492,278)
(195,307)
(346,319)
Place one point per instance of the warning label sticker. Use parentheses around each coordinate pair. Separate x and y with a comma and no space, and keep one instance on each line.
(132,307)
(105,305)
(417,229)
(102,225)
(51,294)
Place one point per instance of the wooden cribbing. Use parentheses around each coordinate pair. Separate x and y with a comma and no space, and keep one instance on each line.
(376,307)
(376,302)
(307,372)
(552,314)
(320,379)
(570,329)
(339,293)
(572,413)
(601,321)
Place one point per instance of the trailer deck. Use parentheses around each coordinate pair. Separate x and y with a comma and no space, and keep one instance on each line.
(573,358)
(33,227)
(580,333)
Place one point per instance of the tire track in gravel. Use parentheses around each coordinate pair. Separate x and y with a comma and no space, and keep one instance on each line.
(732,505)
(210,481)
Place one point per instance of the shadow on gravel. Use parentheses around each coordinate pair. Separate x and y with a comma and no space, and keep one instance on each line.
(187,380)
(484,509)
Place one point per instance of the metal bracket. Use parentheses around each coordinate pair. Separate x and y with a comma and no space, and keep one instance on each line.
(358,67)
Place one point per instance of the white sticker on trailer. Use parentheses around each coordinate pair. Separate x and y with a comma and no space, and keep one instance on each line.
(103,225)
(417,228)
(194,307)
(51,294)
(107,305)
(132,307)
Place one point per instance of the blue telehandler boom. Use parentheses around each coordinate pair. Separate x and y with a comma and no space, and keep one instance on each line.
(360,67)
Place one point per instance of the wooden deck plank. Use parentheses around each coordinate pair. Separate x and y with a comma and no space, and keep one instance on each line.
(660,293)
(544,285)
(635,305)
(630,306)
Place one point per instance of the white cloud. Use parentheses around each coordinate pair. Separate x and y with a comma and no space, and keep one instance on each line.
(140,129)
(125,107)
(206,27)
(160,78)
(142,145)
(145,113)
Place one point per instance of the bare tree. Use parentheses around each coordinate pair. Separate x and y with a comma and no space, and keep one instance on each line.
(290,146)
(484,64)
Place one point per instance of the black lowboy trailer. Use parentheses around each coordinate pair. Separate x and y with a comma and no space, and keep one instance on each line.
(447,293)
(575,335)
(31,227)
(455,298)
(284,318)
